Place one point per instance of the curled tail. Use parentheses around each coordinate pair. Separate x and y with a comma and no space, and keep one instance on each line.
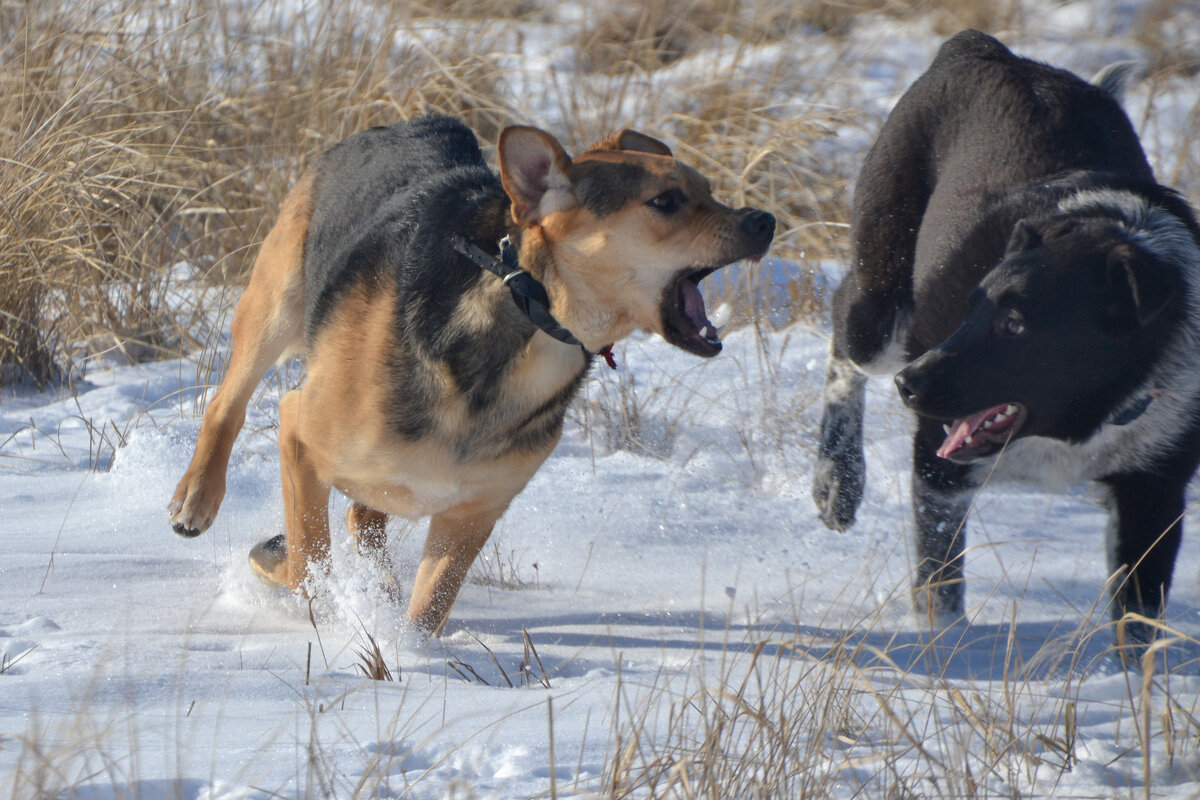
(1119,77)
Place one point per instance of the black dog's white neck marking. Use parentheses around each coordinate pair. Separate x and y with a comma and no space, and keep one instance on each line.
(527,292)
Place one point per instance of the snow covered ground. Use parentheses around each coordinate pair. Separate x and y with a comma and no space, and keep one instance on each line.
(660,605)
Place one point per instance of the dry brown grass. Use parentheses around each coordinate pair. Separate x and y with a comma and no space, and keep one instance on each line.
(165,135)
(868,714)
(156,135)
(159,135)
(1166,40)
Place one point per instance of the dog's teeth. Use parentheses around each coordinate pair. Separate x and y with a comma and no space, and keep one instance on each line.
(987,423)
(946,429)
(968,440)
(998,418)
(721,316)
(1010,409)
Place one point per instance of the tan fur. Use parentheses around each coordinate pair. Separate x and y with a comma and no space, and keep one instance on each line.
(608,273)
(266,326)
(332,437)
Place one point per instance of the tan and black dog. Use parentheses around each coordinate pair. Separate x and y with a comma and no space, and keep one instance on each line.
(434,387)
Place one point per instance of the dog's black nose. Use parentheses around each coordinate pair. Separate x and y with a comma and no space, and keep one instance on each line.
(909,383)
(758,224)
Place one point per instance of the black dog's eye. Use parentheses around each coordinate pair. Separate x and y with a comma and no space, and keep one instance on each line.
(668,202)
(1010,323)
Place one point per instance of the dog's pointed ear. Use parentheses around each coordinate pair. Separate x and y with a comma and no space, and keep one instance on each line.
(1024,237)
(533,170)
(1139,284)
(626,139)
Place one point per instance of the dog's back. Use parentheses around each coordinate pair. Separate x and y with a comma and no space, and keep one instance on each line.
(965,144)
(387,188)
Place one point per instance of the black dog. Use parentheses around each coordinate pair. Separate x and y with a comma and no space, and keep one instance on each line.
(1008,213)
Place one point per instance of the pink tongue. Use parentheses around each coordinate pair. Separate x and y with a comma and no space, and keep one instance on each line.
(963,428)
(693,305)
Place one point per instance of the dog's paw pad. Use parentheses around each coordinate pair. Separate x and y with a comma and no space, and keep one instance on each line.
(268,559)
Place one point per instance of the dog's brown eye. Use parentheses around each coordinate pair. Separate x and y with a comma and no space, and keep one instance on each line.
(668,202)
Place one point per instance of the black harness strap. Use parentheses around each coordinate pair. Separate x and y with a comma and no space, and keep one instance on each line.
(527,292)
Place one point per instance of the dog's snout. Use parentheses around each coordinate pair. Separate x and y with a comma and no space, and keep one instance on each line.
(758,224)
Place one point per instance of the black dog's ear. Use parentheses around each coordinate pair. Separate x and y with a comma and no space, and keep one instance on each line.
(533,170)
(1024,237)
(1139,285)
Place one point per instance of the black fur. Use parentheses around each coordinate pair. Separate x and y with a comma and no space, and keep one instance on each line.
(388,201)
(607,188)
(1010,241)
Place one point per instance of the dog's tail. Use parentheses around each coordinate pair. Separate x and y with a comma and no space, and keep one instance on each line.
(1119,77)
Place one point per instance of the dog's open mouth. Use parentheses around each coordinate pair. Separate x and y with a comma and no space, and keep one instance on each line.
(685,320)
(982,433)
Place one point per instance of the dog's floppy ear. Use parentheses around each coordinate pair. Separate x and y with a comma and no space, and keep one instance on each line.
(533,169)
(1024,237)
(626,139)
(1141,286)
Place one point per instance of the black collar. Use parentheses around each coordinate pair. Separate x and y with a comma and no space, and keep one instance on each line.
(527,292)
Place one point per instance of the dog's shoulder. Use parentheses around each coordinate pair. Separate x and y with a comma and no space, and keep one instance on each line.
(369,175)
(385,203)
(434,142)
(971,44)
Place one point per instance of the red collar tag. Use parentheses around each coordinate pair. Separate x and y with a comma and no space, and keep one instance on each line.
(607,354)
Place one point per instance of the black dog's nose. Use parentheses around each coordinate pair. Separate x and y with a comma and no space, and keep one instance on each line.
(909,384)
(758,224)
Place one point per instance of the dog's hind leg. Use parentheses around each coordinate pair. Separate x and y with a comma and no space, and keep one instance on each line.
(941,497)
(305,495)
(455,538)
(267,323)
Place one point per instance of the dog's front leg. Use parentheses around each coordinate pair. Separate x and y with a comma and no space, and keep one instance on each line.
(368,529)
(305,495)
(455,538)
(841,470)
(941,496)
(267,323)
(1145,526)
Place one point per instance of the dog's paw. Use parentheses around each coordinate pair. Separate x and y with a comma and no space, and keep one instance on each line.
(837,491)
(841,470)
(195,503)
(939,605)
(268,559)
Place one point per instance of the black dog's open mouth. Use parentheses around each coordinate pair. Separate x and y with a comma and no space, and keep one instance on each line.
(983,432)
(685,320)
